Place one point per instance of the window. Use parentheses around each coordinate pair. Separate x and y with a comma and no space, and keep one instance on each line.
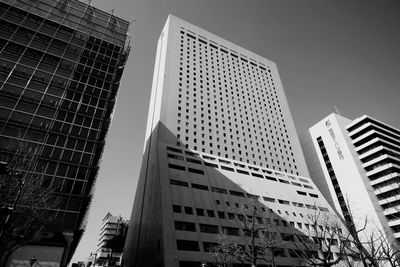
(193,161)
(199,212)
(196,171)
(231,216)
(187,245)
(174,149)
(227,168)
(200,186)
(296,204)
(236,193)
(257,175)
(188,210)
(210,164)
(269,199)
(313,195)
(176,167)
(177,208)
(284,202)
(296,184)
(311,207)
(271,178)
(242,172)
(209,246)
(219,190)
(287,237)
(210,213)
(230,230)
(302,193)
(221,214)
(180,183)
(175,156)
(208,228)
(185,226)
(304,180)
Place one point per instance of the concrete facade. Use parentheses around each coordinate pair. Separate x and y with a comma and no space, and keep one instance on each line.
(219,132)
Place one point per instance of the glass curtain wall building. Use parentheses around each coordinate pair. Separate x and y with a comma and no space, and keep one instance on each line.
(60,68)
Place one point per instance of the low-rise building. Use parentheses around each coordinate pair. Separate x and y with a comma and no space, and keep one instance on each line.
(111,241)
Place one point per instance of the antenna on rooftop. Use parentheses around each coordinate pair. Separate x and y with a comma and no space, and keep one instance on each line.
(337,111)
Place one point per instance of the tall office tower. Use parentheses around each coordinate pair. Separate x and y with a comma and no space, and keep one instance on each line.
(60,67)
(111,241)
(356,166)
(219,131)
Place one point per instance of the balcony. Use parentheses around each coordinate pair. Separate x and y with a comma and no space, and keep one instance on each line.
(387,188)
(384,169)
(385,158)
(359,129)
(364,147)
(385,178)
(392,210)
(364,138)
(394,223)
(389,199)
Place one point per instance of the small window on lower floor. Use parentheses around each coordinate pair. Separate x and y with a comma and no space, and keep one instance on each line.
(187,245)
(230,231)
(199,212)
(210,246)
(209,228)
(185,226)
(193,170)
(188,210)
(177,208)
(176,167)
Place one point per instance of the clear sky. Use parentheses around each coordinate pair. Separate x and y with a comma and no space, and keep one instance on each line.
(343,53)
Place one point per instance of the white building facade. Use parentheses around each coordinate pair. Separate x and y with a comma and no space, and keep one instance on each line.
(112,227)
(355,164)
(219,132)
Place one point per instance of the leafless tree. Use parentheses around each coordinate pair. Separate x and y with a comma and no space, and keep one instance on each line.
(24,199)
(226,251)
(325,237)
(390,252)
(260,244)
(368,252)
(383,250)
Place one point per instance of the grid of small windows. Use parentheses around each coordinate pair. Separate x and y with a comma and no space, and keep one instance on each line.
(56,92)
(176,154)
(277,224)
(228,106)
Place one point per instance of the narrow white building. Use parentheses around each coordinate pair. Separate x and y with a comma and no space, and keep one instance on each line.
(356,165)
(110,253)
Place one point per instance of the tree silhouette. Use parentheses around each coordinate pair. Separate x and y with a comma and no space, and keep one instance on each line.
(261,243)
(25,200)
